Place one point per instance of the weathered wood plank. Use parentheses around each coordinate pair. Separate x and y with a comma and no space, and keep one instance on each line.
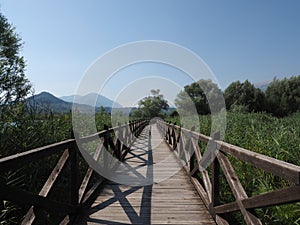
(26,198)
(236,188)
(173,200)
(204,173)
(282,196)
(20,159)
(89,173)
(29,217)
(73,152)
(90,193)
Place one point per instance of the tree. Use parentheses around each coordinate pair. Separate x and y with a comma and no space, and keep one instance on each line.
(203,95)
(151,106)
(244,97)
(14,86)
(283,96)
(174,113)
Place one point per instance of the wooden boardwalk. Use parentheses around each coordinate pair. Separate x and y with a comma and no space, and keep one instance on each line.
(170,201)
(171,195)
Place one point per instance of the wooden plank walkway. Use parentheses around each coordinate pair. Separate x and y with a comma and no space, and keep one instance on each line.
(171,201)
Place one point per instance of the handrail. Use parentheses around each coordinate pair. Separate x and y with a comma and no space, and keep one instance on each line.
(13,161)
(181,139)
(80,196)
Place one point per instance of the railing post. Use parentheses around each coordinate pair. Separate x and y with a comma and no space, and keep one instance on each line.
(106,147)
(117,142)
(216,176)
(179,134)
(174,139)
(189,145)
(169,136)
(73,152)
(182,148)
(134,128)
(127,134)
(166,132)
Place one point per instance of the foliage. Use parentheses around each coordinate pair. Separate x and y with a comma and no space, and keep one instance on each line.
(284,96)
(281,98)
(244,97)
(30,130)
(14,86)
(8,211)
(151,106)
(102,119)
(200,95)
(118,118)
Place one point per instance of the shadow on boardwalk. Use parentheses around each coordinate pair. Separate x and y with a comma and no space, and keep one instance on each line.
(171,200)
(142,155)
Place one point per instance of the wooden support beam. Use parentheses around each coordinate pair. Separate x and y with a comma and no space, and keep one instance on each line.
(278,197)
(216,182)
(22,197)
(20,159)
(216,175)
(30,216)
(91,193)
(74,176)
(89,173)
(205,176)
(236,188)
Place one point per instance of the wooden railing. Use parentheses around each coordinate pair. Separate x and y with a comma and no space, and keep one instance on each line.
(80,196)
(208,186)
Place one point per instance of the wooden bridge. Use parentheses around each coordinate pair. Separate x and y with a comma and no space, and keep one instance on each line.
(185,194)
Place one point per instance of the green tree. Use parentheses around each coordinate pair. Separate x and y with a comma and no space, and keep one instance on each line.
(202,95)
(244,97)
(14,86)
(283,96)
(151,106)
(102,119)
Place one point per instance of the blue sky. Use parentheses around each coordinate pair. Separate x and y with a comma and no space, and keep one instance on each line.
(238,40)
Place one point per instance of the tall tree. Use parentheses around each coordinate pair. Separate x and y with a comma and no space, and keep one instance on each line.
(244,96)
(283,96)
(202,95)
(14,86)
(151,106)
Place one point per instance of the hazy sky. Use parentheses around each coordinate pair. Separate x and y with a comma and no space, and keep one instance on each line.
(238,40)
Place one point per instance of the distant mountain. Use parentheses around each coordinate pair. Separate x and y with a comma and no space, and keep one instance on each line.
(89,99)
(45,102)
